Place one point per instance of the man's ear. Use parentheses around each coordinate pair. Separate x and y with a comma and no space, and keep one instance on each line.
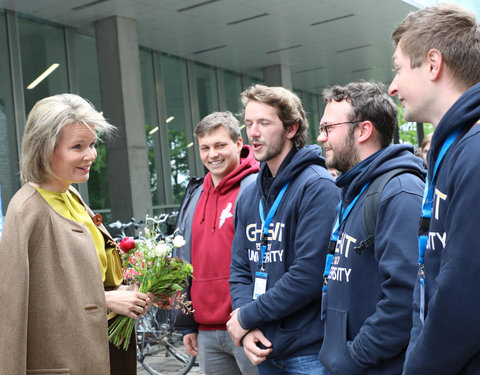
(239,144)
(434,64)
(366,131)
(292,130)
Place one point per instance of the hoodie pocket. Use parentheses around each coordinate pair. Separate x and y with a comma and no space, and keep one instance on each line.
(335,354)
(285,341)
(51,371)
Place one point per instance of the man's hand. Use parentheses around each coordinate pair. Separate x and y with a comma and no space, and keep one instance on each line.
(254,353)
(234,328)
(191,344)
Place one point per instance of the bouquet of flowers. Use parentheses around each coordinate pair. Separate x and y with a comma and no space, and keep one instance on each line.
(148,264)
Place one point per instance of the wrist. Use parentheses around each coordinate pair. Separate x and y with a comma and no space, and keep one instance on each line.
(245,335)
(239,318)
(188,331)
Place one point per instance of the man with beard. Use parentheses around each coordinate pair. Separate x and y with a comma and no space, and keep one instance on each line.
(281,237)
(367,293)
(437,59)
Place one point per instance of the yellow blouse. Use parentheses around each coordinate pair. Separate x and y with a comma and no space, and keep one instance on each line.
(67,205)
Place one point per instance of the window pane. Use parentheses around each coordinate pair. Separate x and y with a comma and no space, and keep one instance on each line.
(8,150)
(311,108)
(233,89)
(251,80)
(41,46)
(149,100)
(206,90)
(87,69)
(85,53)
(178,118)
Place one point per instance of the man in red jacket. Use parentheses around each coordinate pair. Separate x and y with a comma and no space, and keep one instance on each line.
(206,219)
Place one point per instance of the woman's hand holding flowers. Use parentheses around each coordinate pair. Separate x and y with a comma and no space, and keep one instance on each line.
(126,300)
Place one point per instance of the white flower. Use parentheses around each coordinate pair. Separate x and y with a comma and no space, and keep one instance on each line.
(162,249)
(178,241)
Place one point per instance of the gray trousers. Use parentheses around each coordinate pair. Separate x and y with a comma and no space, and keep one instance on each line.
(218,355)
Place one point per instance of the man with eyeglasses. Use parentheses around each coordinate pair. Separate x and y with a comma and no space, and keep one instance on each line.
(367,293)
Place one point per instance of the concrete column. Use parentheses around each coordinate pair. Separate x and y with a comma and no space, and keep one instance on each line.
(278,75)
(122,102)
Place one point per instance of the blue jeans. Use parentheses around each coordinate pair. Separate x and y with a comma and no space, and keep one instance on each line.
(304,365)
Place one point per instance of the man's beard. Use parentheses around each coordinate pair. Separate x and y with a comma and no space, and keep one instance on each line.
(275,147)
(345,158)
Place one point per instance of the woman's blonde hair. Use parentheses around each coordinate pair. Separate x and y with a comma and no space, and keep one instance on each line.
(43,129)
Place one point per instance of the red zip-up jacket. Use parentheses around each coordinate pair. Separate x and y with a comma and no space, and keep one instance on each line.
(212,236)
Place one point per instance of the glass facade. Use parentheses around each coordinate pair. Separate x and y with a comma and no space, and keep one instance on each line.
(86,83)
(42,46)
(86,69)
(177,93)
(151,117)
(311,108)
(233,87)
(179,123)
(8,135)
(207,92)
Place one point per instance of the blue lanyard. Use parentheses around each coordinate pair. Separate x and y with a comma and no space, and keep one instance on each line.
(427,203)
(266,222)
(341,216)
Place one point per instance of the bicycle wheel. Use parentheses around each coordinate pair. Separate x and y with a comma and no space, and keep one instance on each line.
(159,349)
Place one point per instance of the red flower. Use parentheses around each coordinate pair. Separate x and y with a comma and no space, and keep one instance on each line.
(127,244)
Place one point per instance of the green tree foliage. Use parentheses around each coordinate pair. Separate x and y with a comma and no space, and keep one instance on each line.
(98,182)
(179,163)
(151,165)
(408,130)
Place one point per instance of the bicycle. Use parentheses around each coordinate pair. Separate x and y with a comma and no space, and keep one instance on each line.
(157,344)
(118,229)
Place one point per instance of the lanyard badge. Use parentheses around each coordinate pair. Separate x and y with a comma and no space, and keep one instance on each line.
(424,226)
(261,277)
(260,286)
(341,216)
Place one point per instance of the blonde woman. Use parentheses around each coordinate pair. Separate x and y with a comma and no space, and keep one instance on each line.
(63,274)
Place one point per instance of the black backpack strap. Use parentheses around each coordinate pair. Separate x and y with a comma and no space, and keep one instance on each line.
(372,203)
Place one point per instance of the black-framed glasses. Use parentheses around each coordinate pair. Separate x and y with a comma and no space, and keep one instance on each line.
(323,128)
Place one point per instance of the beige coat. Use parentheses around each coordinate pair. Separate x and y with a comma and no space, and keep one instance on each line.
(52,301)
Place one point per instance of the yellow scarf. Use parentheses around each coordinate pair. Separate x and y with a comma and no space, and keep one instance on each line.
(69,207)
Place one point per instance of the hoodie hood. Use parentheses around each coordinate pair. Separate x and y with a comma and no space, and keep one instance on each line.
(384,160)
(304,157)
(464,113)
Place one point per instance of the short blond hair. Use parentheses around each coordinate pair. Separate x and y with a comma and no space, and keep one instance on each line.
(43,128)
(215,120)
(449,28)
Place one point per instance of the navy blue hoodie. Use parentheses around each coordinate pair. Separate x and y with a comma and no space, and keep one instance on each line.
(449,342)
(289,312)
(369,295)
